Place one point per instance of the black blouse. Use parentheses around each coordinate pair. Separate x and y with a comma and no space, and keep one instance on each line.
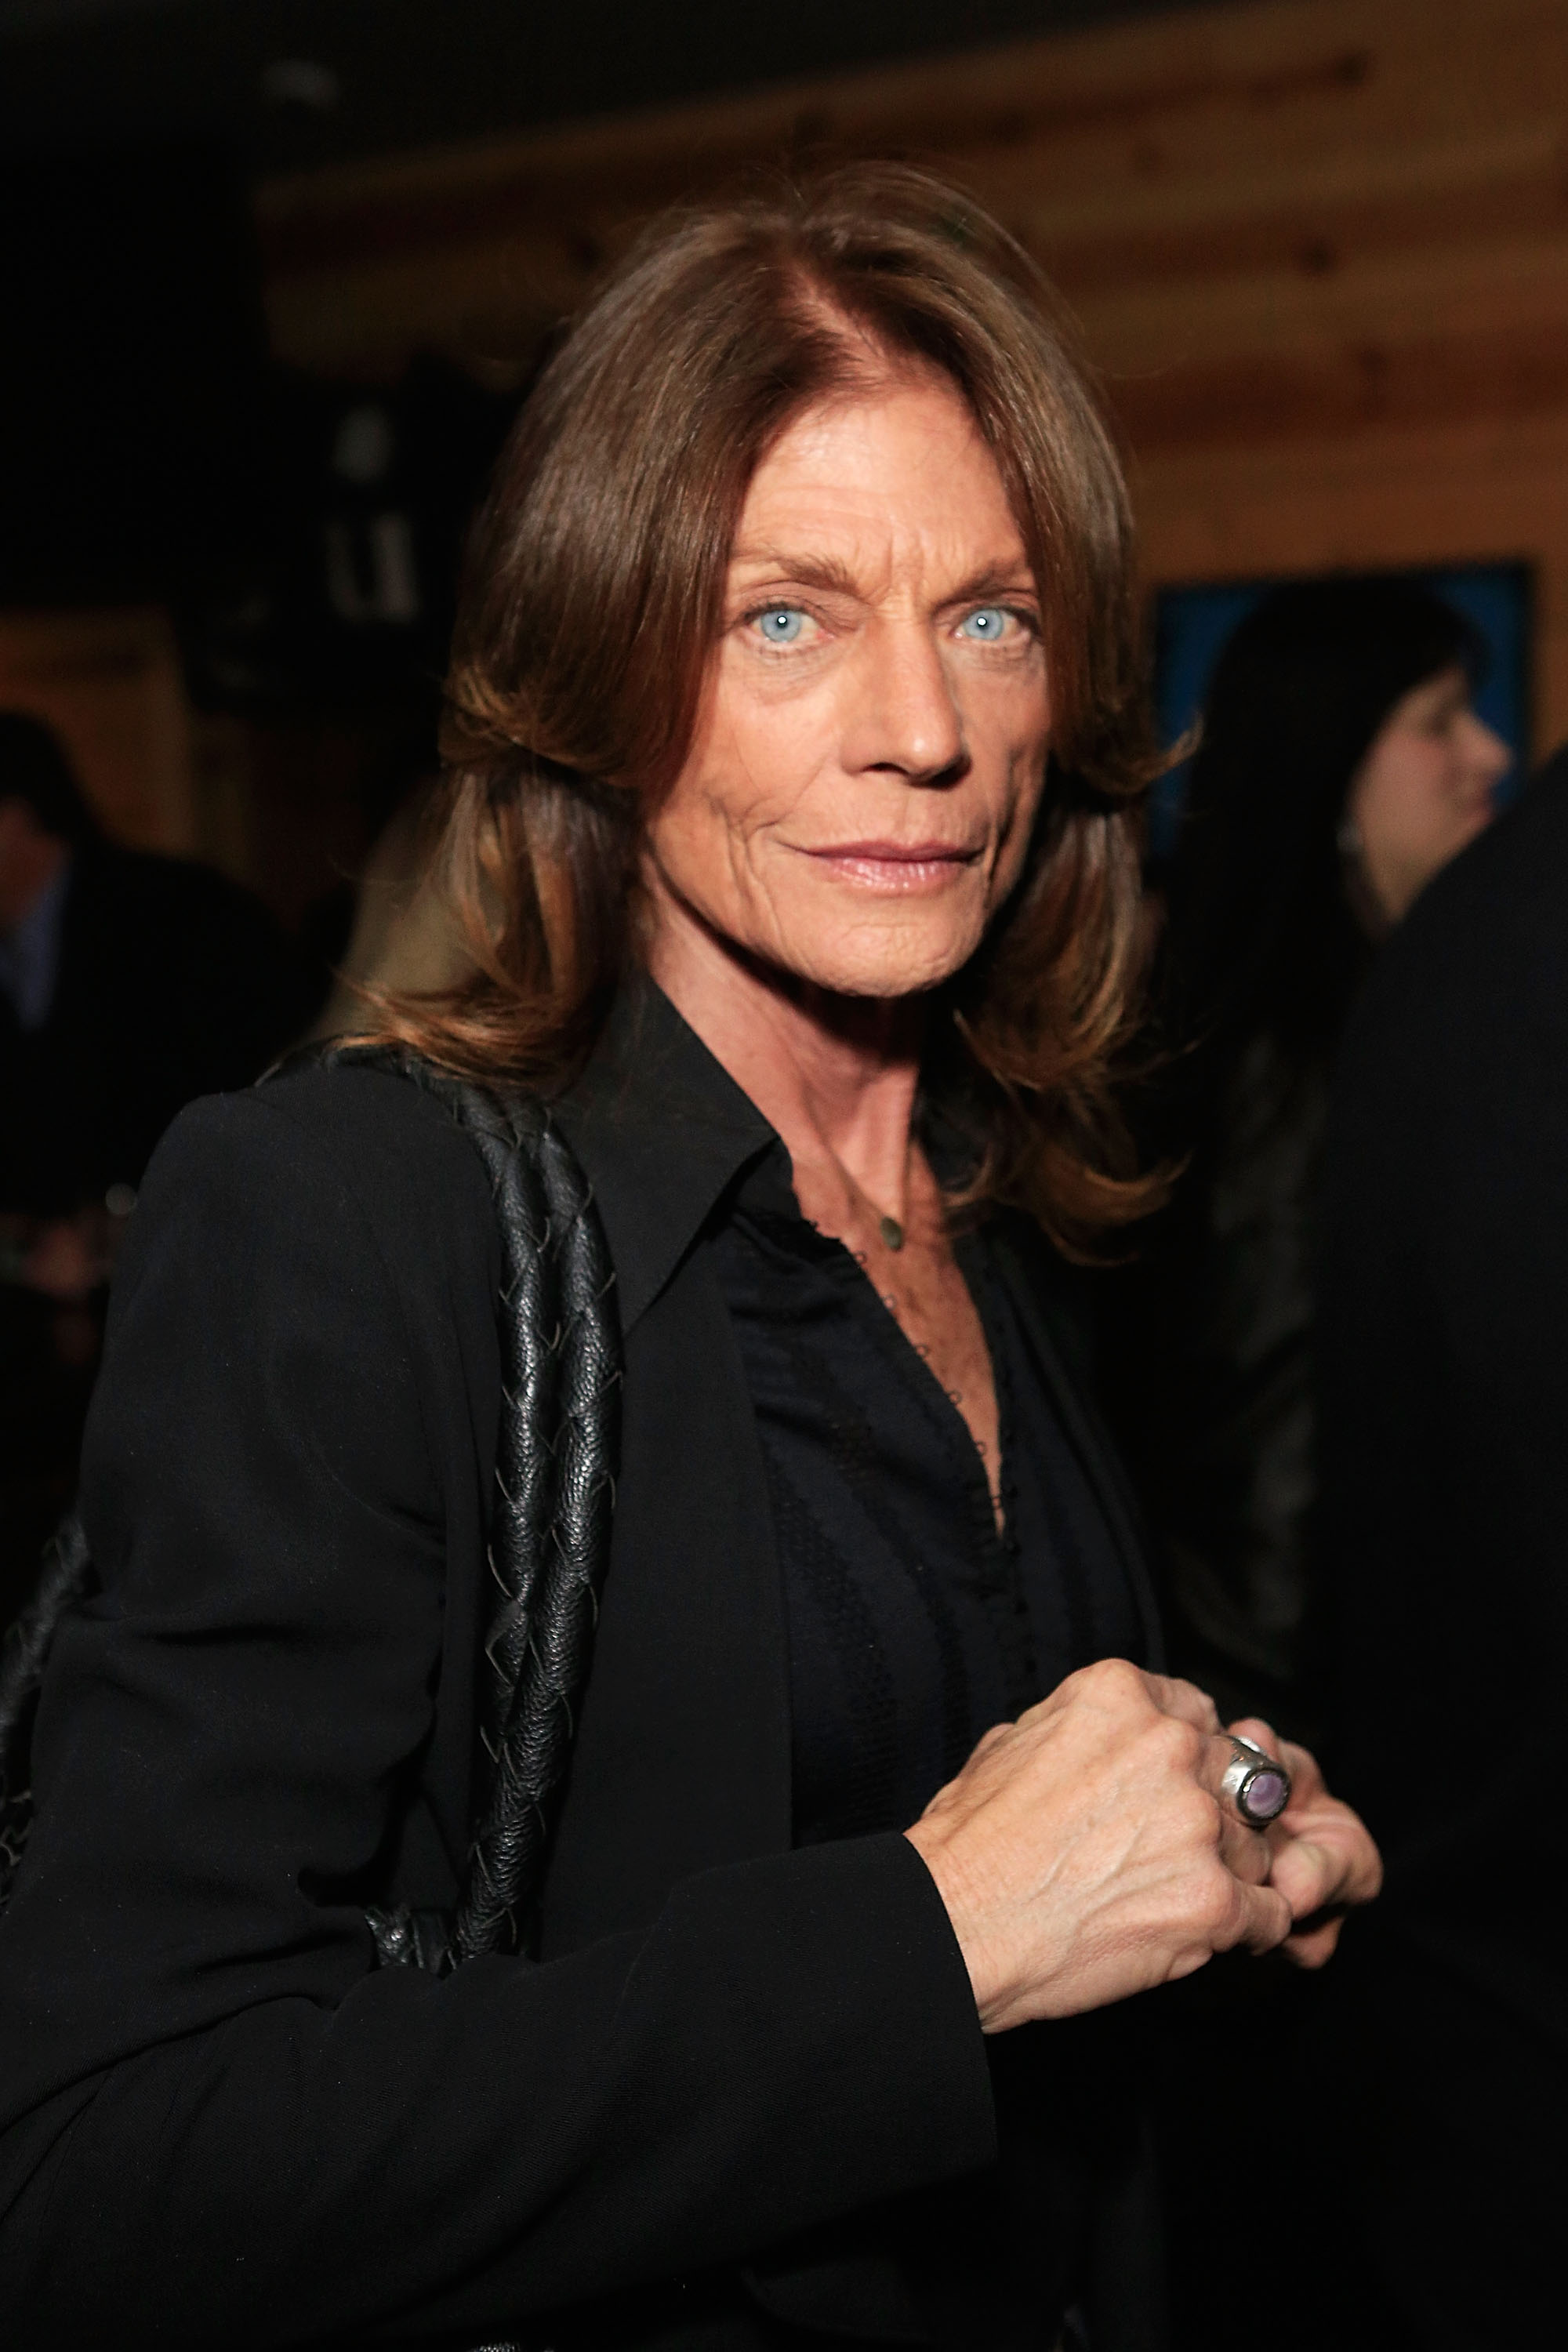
(914,1622)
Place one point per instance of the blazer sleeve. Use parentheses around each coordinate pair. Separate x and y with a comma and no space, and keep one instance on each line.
(218,2121)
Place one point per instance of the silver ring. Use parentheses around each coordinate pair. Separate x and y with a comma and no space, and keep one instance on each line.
(1256,1783)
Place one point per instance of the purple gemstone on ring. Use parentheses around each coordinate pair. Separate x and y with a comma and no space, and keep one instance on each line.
(1265,1796)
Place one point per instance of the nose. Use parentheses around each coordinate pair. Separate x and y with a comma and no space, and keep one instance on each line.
(901,716)
(1488,756)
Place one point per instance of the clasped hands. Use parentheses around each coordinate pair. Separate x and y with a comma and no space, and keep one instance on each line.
(1086,1853)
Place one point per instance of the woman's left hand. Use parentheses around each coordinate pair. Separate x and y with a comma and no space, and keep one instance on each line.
(1325,1860)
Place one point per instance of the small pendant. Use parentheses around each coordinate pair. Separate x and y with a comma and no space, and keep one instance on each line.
(892,1232)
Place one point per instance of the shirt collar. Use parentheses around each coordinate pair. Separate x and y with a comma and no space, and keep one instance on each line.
(661,1130)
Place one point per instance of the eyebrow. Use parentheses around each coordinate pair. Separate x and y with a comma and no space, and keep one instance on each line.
(824,572)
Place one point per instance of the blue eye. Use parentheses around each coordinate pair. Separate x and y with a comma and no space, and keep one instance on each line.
(780,625)
(986,626)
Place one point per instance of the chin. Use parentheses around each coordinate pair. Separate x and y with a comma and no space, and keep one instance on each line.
(884,963)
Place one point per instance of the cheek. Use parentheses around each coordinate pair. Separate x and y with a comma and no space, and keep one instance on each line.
(696,841)
(709,836)
(1403,794)
(1467,784)
(1018,815)
(1444,792)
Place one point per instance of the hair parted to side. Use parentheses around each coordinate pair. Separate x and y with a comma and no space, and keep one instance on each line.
(593,608)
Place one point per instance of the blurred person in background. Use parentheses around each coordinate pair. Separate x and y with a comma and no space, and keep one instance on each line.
(1443,1383)
(1340,766)
(130,984)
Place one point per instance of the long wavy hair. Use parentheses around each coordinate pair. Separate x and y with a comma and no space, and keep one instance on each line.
(1263,935)
(592,611)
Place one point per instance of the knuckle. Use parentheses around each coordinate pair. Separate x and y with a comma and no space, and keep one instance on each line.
(1196,1827)
(1217,1901)
(1177,1745)
(1204,1815)
(1200,1700)
(1110,1680)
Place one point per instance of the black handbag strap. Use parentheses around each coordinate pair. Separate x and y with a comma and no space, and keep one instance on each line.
(556,1455)
(65,1576)
(549,1547)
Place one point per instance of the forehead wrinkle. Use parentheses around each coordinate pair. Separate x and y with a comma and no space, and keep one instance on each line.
(811,571)
(998,576)
(826,512)
(997,579)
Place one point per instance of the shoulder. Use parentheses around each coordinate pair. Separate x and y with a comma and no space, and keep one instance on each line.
(1446,1079)
(342,1121)
(1491,924)
(342,1163)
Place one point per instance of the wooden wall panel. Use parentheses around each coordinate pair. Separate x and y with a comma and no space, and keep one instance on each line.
(1470,493)
(1319,250)
(1174,156)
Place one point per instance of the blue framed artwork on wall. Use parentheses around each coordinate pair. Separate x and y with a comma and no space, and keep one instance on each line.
(1192,626)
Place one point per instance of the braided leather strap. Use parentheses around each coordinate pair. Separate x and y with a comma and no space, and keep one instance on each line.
(547,1645)
(65,1575)
(550,1534)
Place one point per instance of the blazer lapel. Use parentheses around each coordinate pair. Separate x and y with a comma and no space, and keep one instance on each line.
(682,1759)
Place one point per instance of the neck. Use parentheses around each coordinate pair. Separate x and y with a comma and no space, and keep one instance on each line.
(835,1075)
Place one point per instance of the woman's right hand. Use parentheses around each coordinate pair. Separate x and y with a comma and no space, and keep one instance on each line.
(1085,1852)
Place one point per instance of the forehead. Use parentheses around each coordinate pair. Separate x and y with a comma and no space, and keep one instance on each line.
(1444,688)
(901,458)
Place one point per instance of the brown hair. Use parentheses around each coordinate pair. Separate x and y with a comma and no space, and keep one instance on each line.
(593,606)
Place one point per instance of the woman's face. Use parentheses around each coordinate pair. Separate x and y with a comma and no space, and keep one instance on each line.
(858,799)
(1424,790)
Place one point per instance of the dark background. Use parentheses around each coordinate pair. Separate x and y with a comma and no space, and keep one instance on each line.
(418,73)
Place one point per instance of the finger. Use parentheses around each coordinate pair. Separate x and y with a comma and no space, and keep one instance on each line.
(1316,1946)
(1262,1734)
(1334,1863)
(998,1737)
(1310,1875)
(1330,1829)
(1244,1852)
(1261,1920)
(1184,1700)
(1306,1773)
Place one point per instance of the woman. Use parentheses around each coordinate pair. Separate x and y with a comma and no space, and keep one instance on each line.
(1341,766)
(808,560)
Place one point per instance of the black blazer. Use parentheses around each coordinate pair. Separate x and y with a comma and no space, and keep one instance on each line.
(1444,1365)
(220,2124)
(1443,1416)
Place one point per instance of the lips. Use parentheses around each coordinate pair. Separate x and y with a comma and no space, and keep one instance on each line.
(896,865)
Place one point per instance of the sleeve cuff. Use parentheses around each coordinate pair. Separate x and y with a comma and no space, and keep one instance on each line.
(846,2002)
